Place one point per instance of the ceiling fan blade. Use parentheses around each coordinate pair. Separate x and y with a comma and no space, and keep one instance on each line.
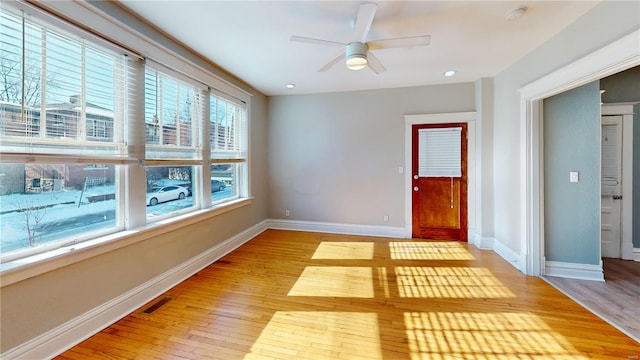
(374,63)
(316,41)
(330,64)
(366,12)
(399,42)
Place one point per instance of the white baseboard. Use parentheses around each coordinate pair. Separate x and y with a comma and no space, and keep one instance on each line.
(67,335)
(490,243)
(483,242)
(337,228)
(636,254)
(574,270)
(506,253)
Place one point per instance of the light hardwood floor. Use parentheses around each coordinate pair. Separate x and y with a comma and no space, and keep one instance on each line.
(617,299)
(297,295)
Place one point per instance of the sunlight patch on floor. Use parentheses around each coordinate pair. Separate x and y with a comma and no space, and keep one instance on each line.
(334,281)
(319,334)
(449,282)
(344,250)
(463,335)
(429,250)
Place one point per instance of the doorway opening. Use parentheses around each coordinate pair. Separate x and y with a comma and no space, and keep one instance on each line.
(611,59)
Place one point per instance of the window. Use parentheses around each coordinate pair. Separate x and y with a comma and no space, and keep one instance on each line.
(172,108)
(59,95)
(439,152)
(72,136)
(169,189)
(227,136)
(68,85)
(48,204)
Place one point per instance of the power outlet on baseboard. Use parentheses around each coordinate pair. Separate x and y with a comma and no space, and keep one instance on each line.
(287,213)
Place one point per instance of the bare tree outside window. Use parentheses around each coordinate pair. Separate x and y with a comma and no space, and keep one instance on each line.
(34,214)
(11,81)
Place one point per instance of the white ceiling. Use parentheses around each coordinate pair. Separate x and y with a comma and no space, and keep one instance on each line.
(250,39)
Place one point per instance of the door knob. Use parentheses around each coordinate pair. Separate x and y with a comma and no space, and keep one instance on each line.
(415,188)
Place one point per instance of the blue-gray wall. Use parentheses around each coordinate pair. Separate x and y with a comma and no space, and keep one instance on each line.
(572,143)
(625,87)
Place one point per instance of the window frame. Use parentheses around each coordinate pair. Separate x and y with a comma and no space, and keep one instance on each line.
(130,164)
(237,157)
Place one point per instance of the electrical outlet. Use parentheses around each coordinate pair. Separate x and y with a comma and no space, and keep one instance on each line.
(286,213)
(385,218)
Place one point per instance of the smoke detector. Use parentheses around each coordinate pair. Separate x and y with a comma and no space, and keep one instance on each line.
(516,13)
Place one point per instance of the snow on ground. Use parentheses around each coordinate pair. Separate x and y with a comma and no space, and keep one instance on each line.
(64,214)
(57,208)
(68,213)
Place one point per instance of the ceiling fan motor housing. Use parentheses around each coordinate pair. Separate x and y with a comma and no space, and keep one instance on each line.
(356,55)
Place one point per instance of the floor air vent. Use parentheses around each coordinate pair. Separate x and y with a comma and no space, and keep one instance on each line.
(156,306)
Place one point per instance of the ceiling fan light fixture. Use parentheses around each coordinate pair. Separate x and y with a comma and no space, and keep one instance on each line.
(357,62)
(356,56)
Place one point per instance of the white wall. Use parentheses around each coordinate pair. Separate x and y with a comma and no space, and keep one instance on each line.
(607,22)
(335,157)
(484,159)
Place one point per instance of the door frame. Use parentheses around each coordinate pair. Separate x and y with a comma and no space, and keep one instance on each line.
(625,110)
(610,59)
(472,170)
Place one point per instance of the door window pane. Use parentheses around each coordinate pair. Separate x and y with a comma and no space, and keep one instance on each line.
(440,152)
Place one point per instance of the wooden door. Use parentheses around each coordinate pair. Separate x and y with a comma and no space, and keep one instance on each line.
(439,196)
(611,186)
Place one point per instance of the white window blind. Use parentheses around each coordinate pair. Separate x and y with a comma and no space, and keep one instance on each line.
(60,94)
(610,159)
(227,128)
(440,152)
(172,111)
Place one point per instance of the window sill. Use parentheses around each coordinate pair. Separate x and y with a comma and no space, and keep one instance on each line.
(20,269)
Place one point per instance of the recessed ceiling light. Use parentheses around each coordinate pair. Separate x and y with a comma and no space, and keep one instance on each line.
(449,73)
(516,13)
(290,86)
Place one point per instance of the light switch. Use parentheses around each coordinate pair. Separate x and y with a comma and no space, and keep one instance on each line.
(574,176)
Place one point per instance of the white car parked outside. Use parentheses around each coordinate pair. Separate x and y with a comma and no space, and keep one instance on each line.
(166,193)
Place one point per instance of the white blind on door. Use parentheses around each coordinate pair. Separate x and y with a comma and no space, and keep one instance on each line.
(610,149)
(440,152)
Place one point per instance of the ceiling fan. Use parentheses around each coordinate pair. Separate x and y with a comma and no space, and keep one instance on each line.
(358,52)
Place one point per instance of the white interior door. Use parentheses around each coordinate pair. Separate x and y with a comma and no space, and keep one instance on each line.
(611,186)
